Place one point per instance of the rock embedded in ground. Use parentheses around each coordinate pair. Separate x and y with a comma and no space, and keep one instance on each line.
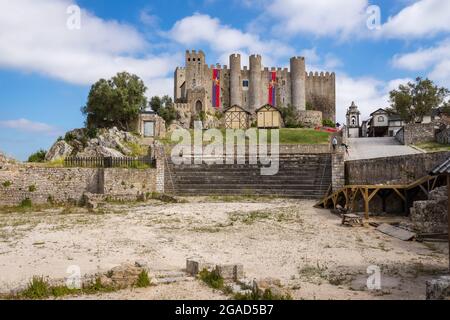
(107,143)
(438,289)
(59,150)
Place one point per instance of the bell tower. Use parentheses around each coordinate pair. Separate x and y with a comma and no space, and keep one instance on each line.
(353,123)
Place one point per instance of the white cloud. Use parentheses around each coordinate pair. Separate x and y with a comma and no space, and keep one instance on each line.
(34,37)
(423,18)
(368,93)
(435,61)
(202,29)
(26,125)
(318,17)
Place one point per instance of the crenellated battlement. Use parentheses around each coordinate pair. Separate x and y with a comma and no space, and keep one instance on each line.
(320,75)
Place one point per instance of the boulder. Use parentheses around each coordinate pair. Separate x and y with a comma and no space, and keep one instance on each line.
(438,289)
(431,216)
(100,151)
(59,150)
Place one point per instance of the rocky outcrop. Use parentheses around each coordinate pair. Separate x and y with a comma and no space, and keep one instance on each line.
(107,143)
(6,162)
(431,216)
(60,149)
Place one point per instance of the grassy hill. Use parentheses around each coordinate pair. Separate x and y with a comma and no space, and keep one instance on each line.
(287,136)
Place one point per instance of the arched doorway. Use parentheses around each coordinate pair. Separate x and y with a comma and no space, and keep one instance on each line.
(198,107)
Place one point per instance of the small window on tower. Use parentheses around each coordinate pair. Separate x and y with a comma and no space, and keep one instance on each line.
(245,83)
(193,59)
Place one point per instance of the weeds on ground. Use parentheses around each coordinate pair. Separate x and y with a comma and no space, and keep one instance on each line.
(39,288)
(266,296)
(143,280)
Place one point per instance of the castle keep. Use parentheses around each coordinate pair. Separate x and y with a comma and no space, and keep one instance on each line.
(196,86)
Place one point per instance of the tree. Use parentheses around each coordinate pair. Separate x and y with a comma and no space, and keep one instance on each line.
(290,116)
(38,156)
(164,108)
(115,102)
(413,101)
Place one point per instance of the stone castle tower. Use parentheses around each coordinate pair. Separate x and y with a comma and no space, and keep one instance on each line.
(248,87)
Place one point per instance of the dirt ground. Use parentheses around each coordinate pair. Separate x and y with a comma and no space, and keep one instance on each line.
(306,248)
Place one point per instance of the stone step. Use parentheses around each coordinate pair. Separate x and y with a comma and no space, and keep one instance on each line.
(286,192)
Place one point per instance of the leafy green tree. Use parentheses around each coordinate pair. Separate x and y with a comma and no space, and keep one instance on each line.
(415,100)
(290,115)
(164,108)
(38,156)
(115,102)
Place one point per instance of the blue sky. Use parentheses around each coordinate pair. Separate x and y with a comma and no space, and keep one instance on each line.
(46,69)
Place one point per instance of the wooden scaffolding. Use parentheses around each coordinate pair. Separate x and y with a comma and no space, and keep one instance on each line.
(348,196)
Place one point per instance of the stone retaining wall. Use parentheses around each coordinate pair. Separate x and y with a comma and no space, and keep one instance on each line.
(392,170)
(60,185)
(443,136)
(415,133)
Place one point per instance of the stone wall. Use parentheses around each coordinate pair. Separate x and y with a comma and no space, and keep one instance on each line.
(431,216)
(60,185)
(392,170)
(414,133)
(128,182)
(443,136)
(310,119)
(338,171)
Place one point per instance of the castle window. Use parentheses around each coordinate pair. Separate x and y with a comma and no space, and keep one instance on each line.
(193,59)
(284,82)
(245,83)
(189,59)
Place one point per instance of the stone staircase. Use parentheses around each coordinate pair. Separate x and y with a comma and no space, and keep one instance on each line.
(303,176)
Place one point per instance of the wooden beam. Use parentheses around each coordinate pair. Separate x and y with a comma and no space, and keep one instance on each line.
(373,194)
(424,190)
(366,202)
(399,194)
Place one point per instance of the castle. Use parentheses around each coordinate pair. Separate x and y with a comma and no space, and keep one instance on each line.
(199,87)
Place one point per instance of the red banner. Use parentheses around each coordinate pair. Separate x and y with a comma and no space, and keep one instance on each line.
(216,89)
(272,88)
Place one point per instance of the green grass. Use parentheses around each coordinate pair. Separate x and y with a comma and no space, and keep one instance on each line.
(143,280)
(433,146)
(287,136)
(212,279)
(266,296)
(38,288)
(137,150)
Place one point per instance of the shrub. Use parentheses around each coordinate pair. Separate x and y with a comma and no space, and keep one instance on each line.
(143,280)
(7,184)
(69,137)
(32,188)
(328,123)
(26,203)
(212,279)
(38,156)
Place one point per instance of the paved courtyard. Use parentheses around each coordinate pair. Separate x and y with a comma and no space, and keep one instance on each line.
(369,148)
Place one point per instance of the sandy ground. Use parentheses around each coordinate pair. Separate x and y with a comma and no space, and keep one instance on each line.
(306,248)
